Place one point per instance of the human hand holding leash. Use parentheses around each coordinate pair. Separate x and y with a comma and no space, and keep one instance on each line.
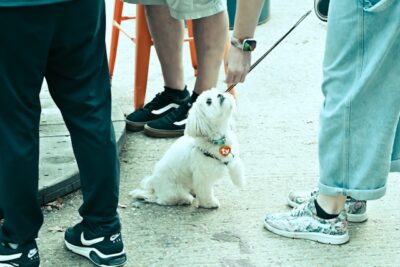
(239,57)
(233,84)
(238,66)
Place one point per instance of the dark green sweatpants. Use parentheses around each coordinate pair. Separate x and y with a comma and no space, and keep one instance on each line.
(65,44)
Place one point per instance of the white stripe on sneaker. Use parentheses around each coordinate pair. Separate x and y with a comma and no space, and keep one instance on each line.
(180,123)
(10,257)
(164,109)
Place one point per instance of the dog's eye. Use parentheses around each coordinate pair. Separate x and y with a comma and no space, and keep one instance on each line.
(209,101)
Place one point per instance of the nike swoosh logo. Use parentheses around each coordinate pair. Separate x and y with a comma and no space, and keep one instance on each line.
(32,253)
(164,109)
(10,257)
(114,237)
(91,242)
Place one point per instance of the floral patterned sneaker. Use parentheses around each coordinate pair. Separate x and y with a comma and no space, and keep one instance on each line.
(356,209)
(302,222)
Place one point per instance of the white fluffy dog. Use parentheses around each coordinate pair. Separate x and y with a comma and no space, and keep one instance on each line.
(207,152)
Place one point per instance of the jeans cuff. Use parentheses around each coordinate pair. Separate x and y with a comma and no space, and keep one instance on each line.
(359,194)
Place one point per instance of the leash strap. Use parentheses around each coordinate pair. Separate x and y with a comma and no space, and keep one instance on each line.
(272,48)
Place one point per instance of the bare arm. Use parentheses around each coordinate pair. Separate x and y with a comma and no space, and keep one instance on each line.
(246,18)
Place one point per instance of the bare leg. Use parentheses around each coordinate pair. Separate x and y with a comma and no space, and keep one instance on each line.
(210,35)
(167,34)
(332,205)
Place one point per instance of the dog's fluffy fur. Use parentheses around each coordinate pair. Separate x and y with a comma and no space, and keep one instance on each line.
(188,170)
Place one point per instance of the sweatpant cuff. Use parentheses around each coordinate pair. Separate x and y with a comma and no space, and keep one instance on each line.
(358,194)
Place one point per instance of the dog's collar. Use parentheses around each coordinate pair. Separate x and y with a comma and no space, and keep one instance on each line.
(220,141)
(207,154)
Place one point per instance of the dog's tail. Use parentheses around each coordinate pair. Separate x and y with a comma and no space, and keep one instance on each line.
(145,192)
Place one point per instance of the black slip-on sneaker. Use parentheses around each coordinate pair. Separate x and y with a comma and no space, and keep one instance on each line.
(171,125)
(161,105)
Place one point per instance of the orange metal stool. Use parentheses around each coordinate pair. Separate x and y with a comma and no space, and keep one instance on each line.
(143,44)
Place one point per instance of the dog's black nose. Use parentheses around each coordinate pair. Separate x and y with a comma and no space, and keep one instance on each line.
(221,98)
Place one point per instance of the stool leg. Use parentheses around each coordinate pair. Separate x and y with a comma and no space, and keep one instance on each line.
(118,6)
(192,46)
(143,45)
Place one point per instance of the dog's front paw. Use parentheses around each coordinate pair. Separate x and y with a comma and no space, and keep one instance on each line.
(236,171)
(208,204)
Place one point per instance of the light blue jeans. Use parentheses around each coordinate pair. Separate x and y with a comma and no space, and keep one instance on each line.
(359,141)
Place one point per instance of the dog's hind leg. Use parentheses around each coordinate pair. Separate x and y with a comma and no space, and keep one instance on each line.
(236,172)
(185,198)
(143,194)
(172,195)
(152,197)
(203,189)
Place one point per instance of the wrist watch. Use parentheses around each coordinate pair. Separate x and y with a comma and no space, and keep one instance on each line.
(246,45)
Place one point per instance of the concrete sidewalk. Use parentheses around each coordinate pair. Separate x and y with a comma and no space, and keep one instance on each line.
(277,128)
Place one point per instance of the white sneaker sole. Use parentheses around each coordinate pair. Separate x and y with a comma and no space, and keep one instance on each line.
(357,218)
(321,238)
(85,252)
(354,218)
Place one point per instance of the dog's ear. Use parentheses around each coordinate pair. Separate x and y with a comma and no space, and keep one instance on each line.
(196,124)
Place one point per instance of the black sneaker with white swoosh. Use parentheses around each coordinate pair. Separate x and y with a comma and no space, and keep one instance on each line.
(23,256)
(104,251)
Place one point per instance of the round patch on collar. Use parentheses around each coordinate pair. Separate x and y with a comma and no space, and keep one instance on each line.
(225,150)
